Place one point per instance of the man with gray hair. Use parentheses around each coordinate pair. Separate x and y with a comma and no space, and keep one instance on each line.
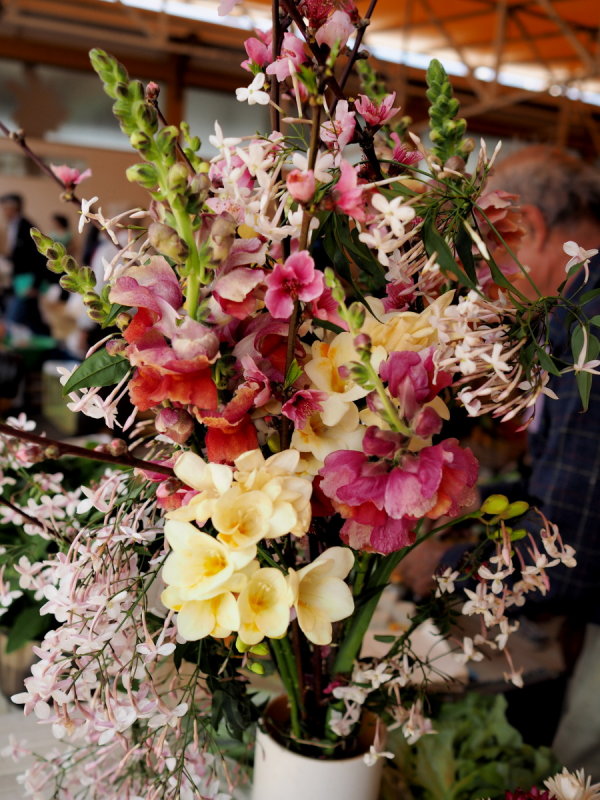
(560,202)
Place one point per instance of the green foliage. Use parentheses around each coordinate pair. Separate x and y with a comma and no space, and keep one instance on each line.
(73,277)
(371,82)
(99,369)
(475,753)
(446,132)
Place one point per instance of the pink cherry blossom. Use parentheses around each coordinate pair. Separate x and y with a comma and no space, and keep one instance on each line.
(348,194)
(337,30)
(339,131)
(302,405)
(376,114)
(402,154)
(296,279)
(69,175)
(259,51)
(301,185)
(292,56)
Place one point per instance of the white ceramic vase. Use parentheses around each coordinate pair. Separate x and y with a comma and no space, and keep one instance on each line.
(280,774)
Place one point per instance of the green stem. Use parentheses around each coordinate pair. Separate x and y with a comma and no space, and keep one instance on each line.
(287,680)
(350,648)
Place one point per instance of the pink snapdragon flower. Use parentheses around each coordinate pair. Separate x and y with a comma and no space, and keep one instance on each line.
(337,29)
(383,499)
(69,175)
(295,279)
(301,185)
(302,405)
(376,114)
(292,56)
(339,131)
(411,379)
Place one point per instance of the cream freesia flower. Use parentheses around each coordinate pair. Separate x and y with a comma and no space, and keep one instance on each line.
(288,492)
(264,606)
(320,595)
(404,330)
(208,479)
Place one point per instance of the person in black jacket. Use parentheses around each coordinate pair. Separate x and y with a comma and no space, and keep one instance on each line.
(29,267)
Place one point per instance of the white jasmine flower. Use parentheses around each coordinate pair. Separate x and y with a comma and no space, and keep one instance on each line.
(85,212)
(253,93)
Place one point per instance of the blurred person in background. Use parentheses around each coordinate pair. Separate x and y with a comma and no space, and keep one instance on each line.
(560,202)
(61,231)
(28,267)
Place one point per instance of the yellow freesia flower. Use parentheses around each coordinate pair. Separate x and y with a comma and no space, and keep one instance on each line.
(320,595)
(242,518)
(264,606)
(217,616)
(199,566)
(278,480)
(404,330)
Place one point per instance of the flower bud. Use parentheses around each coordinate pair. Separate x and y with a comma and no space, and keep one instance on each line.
(115,347)
(167,241)
(301,185)
(177,179)
(145,174)
(175,423)
(117,447)
(152,91)
(495,504)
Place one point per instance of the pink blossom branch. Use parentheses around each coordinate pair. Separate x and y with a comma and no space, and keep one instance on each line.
(19,138)
(55,449)
(29,519)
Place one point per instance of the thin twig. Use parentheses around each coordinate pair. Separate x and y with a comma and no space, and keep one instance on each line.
(19,138)
(364,24)
(275,46)
(21,513)
(55,449)
(286,429)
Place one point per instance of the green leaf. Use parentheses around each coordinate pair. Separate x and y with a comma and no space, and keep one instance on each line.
(435,244)
(292,375)
(325,323)
(546,361)
(100,369)
(464,248)
(584,379)
(113,313)
(27,627)
(385,639)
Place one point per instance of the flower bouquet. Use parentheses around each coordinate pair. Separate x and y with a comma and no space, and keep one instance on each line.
(291,328)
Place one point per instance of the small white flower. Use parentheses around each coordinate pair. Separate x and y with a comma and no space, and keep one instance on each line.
(445,581)
(393,213)
(85,212)
(578,256)
(253,94)
(373,756)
